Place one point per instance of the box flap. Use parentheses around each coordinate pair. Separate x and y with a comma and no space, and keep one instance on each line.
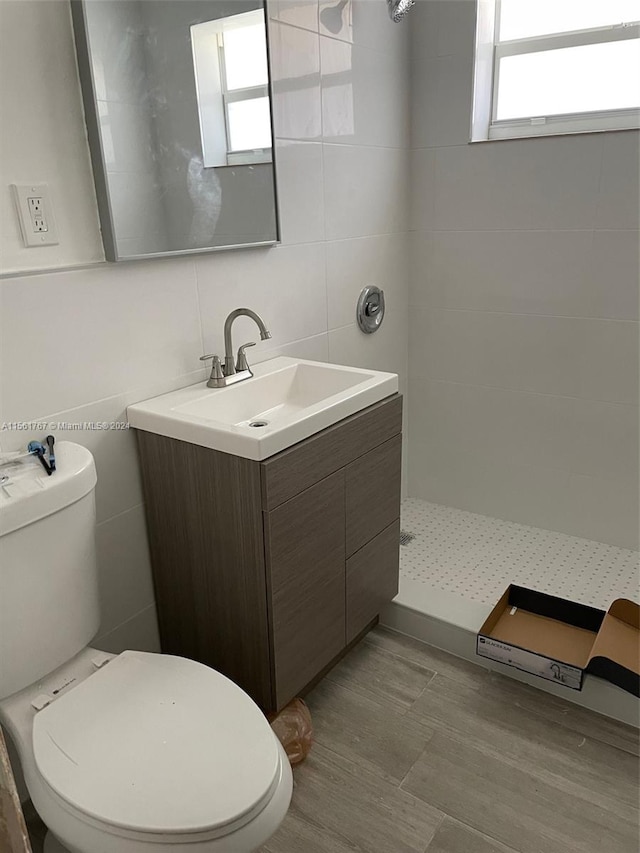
(616,651)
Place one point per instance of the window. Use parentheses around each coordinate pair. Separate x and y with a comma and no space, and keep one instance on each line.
(556,66)
(232,85)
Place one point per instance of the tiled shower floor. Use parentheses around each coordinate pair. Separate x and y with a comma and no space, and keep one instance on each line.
(477,557)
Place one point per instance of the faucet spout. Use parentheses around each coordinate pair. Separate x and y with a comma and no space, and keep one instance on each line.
(265,334)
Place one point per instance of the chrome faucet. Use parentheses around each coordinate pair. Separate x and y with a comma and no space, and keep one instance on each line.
(230,372)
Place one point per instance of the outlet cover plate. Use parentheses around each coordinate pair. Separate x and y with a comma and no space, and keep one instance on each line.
(40,231)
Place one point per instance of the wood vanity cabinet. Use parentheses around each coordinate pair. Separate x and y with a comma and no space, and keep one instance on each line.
(267,571)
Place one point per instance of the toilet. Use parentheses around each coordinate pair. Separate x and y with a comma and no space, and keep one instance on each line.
(128,753)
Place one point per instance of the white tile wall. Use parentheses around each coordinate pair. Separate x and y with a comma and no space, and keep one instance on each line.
(359,85)
(524,308)
(298,13)
(25,156)
(381,260)
(365,191)
(618,200)
(295,63)
(300,191)
(528,272)
(575,357)
(74,337)
(548,183)
(444,101)
(80,345)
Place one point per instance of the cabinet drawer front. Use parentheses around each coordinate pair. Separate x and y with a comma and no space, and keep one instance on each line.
(372,579)
(373,493)
(288,473)
(306,558)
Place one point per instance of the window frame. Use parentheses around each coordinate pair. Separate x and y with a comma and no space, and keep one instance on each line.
(489,52)
(231,96)
(213,96)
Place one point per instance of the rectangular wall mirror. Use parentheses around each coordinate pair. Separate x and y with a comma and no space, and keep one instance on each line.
(178,110)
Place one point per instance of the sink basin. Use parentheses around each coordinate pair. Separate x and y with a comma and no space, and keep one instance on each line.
(285,401)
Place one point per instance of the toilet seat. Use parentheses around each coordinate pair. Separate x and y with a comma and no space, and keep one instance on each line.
(158,745)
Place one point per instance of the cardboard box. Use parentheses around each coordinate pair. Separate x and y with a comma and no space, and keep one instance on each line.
(562,640)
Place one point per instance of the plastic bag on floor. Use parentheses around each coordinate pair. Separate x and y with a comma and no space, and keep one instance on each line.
(294,730)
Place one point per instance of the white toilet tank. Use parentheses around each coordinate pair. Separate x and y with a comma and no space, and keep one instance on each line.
(49,607)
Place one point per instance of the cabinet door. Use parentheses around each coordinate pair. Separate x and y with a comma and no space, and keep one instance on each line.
(373,493)
(306,570)
(372,579)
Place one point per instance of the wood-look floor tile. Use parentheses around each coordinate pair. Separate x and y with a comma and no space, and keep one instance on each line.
(453,837)
(566,713)
(371,733)
(427,656)
(338,807)
(486,719)
(376,672)
(511,805)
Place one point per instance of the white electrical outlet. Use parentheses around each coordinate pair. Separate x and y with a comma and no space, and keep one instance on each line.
(35,213)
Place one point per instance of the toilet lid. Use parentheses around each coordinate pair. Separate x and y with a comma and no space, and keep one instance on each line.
(157,743)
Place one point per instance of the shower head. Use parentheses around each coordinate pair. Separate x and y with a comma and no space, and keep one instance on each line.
(398,9)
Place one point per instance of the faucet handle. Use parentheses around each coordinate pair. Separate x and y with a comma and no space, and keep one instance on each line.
(241,362)
(216,367)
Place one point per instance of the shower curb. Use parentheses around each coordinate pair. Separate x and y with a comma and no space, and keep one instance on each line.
(450,622)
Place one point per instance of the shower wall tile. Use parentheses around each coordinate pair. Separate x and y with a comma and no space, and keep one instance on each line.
(358,86)
(366,23)
(523,306)
(561,273)
(423,40)
(366,191)
(518,184)
(372,28)
(456,27)
(614,266)
(300,191)
(441,101)
(619,196)
(585,437)
(298,13)
(382,260)
(295,68)
(336,19)
(577,357)
(602,510)
(422,169)
(442,28)
(348,345)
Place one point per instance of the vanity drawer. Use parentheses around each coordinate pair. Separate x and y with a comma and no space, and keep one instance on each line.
(372,579)
(286,474)
(304,540)
(373,493)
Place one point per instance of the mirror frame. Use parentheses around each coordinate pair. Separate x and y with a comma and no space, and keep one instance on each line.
(98,163)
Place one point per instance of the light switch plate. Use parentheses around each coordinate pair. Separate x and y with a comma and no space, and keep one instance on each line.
(35,214)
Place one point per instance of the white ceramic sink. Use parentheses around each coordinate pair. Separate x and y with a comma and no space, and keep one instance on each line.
(292,398)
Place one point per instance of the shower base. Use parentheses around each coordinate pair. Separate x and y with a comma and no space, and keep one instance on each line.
(457,564)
